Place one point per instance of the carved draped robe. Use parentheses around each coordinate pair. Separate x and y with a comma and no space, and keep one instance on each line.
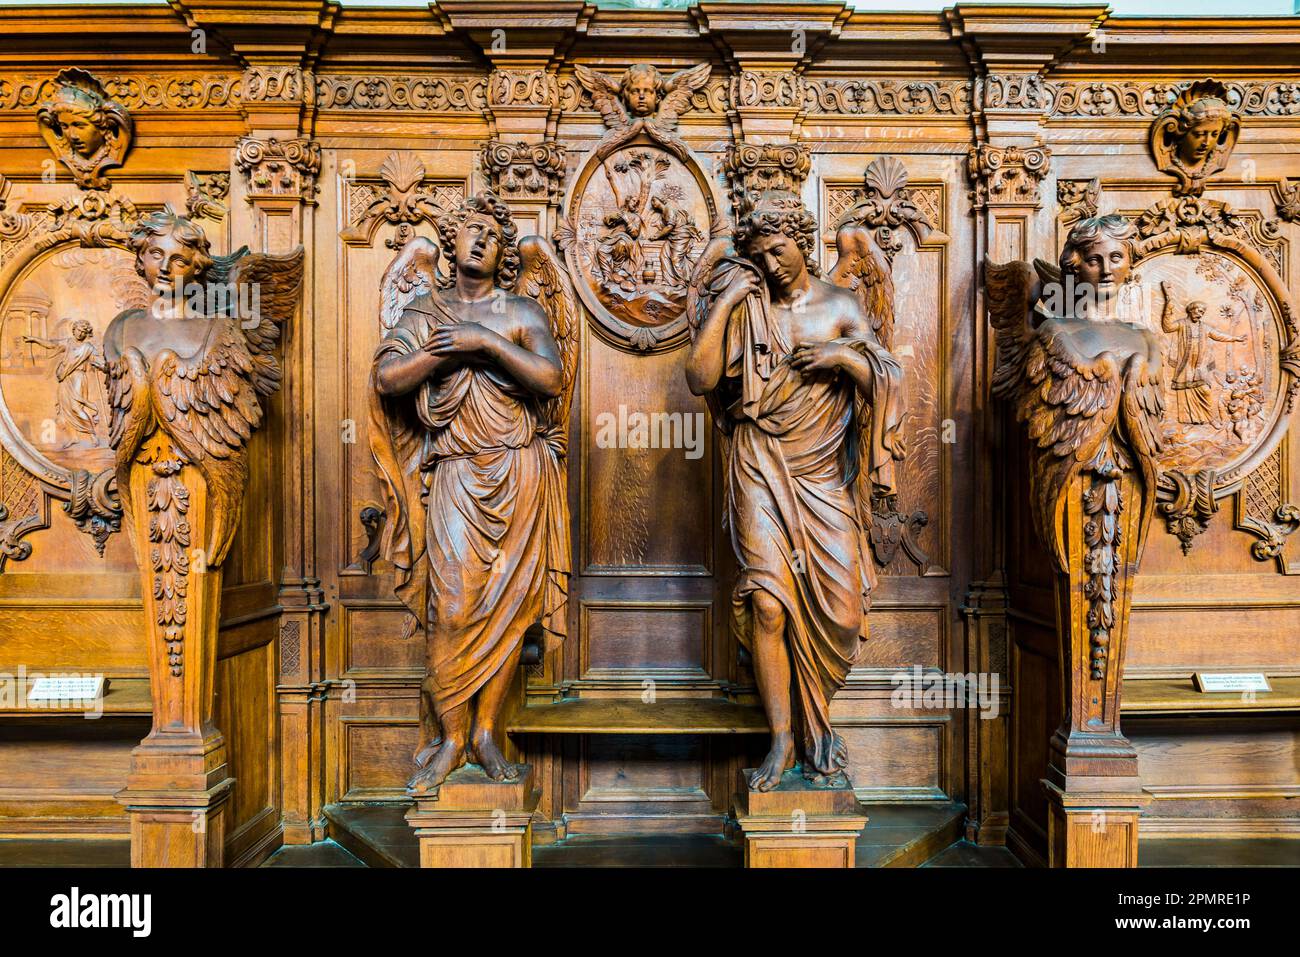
(476,493)
(798,516)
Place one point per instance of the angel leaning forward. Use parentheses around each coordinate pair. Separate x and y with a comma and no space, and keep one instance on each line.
(469,421)
(186,376)
(810,406)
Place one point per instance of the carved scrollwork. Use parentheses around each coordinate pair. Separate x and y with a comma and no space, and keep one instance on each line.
(755,167)
(888,97)
(1286,195)
(887,205)
(87,131)
(205,193)
(1139,98)
(1007,175)
(402,93)
(1190,506)
(1262,511)
(276,167)
(1013,91)
(1077,199)
(524,170)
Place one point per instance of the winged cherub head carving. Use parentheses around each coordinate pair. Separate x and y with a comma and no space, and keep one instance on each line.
(641,89)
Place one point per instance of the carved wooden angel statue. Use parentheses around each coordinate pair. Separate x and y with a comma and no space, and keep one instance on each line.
(186,380)
(469,427)
(1089,387)
(810,406)
(642,101)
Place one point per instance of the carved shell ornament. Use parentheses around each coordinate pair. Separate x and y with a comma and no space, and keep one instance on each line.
(1194,136)
(88,132)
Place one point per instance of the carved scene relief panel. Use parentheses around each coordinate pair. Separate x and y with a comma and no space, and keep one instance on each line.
(639,220)
(1221,335)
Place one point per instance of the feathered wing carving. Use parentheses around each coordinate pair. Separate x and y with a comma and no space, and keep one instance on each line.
(677,95)
(604,94)
(1072,404)
(413,272)
(544,278)
(208,405)
(863,268)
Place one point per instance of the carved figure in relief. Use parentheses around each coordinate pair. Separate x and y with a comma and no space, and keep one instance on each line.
(642,101)
(1090,389)
(87,131)
(471,388)
(1194,397)
(1193,138)
(809,405)
(77,406)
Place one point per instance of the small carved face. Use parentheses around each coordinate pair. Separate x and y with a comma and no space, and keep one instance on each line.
(168,263)
(478,245)
(780,259)
(82,330)
(642,96)
(1195,311)
(85,138)
(1199,141)
(1103,265)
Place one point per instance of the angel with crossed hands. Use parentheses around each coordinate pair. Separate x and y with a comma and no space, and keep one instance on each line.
(470,393)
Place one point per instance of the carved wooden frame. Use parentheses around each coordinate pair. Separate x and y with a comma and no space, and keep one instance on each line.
(90,221)
(615,331)
(1188,500)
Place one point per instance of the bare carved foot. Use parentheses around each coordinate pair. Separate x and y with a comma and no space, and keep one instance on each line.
(426,753)
(779,760)
(491,759)
(449,756)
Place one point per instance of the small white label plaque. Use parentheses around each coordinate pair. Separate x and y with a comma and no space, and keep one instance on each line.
(66,688)
(1232,681)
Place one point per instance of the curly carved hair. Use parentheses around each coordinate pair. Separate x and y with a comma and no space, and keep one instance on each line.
(1088,231)
(641,70)
(778,211)
(1204,109)
(81,330)
(488,204)
(165,222)
(109,116)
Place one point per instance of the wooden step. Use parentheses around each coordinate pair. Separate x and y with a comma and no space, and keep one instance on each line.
(632,716)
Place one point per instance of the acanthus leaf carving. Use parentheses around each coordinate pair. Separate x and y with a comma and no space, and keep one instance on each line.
(529,171)
(1077,199)
(1007,175)
(756,167)
(276,168)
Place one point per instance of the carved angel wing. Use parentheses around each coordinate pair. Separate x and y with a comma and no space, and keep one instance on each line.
(413,272)
(544,278)
(130,417)
(604,94)
(263,292)
(1010,291)
(1141,415)
(862,268)
(677,95)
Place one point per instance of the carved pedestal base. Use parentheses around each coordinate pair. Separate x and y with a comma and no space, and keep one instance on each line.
(1098,829)
(473,821)
(797,824)
(177,828)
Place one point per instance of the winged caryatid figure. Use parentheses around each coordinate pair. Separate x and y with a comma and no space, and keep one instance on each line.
(471,388)
(809,405)
(642,101)
(1090,389)
(186,380)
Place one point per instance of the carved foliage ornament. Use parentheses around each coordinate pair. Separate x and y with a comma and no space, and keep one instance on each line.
(524,170)
(277,168)
(87,131)
(1007,175)
(405,200)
